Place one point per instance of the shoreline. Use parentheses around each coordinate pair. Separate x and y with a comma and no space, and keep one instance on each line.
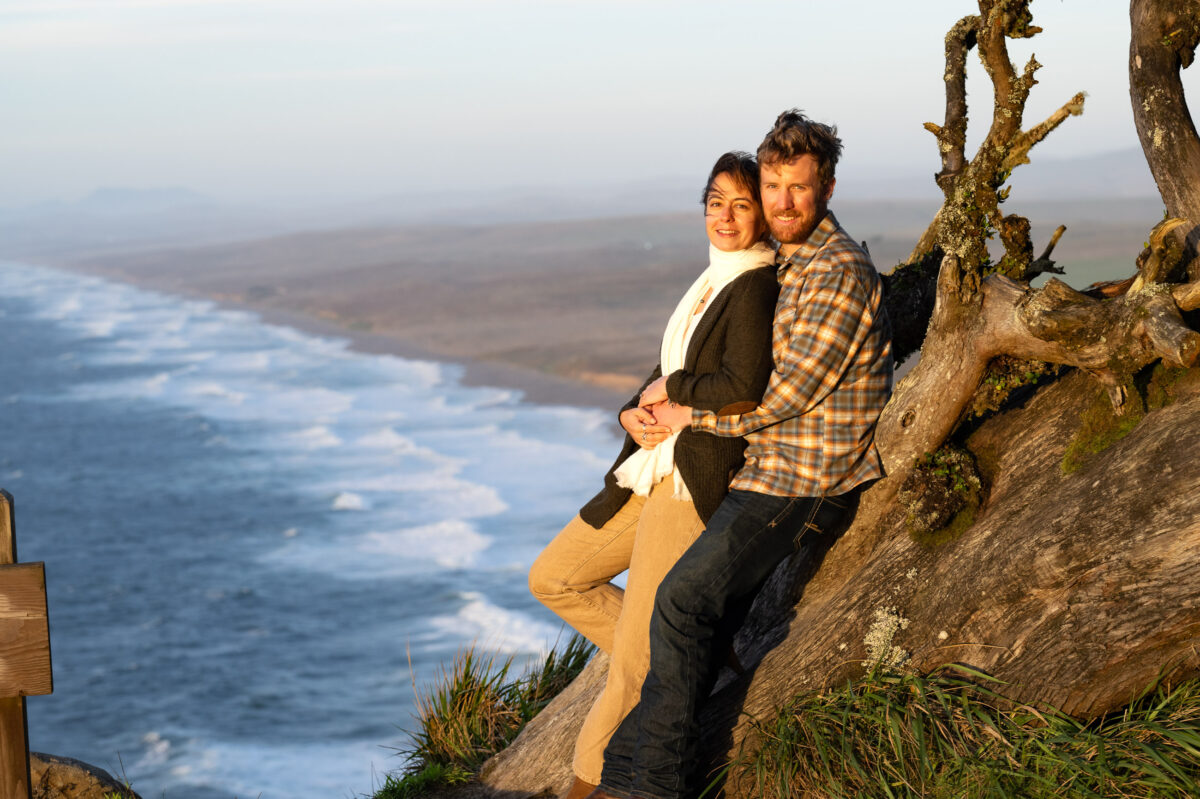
(536,388)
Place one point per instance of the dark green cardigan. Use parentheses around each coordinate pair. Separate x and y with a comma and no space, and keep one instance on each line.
(728,362)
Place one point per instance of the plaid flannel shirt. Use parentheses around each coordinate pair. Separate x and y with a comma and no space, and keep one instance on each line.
(814,432)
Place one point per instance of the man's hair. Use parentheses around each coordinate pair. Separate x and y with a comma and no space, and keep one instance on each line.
(795,135)
(742,168)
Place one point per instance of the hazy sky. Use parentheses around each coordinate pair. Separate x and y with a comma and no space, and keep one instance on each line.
(268,99)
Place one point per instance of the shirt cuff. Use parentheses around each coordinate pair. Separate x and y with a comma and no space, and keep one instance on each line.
(704,420)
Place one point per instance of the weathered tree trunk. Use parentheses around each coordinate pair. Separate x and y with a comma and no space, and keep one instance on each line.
(1078,588)
(1165,34)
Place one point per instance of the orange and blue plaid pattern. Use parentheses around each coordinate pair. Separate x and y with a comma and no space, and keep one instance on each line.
(814,432)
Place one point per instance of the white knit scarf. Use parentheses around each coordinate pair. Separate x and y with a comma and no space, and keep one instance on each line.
(644,468)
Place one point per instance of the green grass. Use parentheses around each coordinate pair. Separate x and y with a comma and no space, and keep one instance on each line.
(952,736)
(419,783)
(473,710)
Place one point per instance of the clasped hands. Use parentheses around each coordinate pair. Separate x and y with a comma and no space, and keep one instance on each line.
(656,417)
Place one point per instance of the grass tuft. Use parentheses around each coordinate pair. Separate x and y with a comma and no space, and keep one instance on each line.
(954,736)
(474,710)
(419,783)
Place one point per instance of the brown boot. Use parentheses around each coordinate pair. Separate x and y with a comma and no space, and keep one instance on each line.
(578,790)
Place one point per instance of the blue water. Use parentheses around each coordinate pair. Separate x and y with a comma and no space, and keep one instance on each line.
(250,533)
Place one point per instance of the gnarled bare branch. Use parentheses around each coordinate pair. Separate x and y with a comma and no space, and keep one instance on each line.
(1019,153)
(952,134)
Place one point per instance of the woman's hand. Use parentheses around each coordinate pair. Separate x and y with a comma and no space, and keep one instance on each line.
(645,429)
(677,417)
(655,393)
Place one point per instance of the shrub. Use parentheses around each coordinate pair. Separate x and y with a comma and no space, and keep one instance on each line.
(474,710)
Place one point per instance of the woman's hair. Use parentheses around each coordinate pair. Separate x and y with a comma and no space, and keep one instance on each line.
(741,167)
(795,135)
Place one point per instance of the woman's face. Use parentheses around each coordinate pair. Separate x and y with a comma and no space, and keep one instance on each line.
(732,217)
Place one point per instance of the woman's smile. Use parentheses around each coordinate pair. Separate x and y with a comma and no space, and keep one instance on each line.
(731,215)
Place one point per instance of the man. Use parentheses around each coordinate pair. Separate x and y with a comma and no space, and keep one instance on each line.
(810,451)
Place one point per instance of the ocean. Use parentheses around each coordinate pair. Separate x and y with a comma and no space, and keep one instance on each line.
(257,541)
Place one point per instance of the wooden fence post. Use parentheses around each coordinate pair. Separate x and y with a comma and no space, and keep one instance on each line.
(24,654)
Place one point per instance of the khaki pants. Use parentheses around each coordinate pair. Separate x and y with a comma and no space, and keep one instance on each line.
(572,577)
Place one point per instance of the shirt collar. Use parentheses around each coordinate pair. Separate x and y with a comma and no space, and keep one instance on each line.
(811,246)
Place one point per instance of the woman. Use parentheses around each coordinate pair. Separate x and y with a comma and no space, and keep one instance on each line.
(657,497)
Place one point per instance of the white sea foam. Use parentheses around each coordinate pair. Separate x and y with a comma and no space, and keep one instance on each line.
(255,361)
(494,628)
(66,307)
(318,437)
(157,750)
(99,328)
(212,390)
(349,501)
(268,770)
(388,438)
(444,494)
(452,544)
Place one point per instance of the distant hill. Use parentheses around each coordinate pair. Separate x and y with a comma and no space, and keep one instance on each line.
(114,219)
(119,200)
(1119,174)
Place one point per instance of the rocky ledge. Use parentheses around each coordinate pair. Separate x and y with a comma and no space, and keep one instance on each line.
(54,777)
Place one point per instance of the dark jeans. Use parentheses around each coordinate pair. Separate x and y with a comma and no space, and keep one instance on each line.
(653,752)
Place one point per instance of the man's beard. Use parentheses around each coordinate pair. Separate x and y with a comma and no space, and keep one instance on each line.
(797,234)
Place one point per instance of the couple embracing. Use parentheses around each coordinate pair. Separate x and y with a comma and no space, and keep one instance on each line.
(756,428)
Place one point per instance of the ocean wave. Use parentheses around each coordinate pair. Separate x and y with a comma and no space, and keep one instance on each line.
(270,770)
(316,437)
(493,628)
(452,544)
(387,438)
(319,467)
(347,500)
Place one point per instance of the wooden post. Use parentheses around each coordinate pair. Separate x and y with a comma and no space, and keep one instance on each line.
(24,654)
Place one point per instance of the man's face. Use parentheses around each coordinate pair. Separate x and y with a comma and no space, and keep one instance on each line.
(794,200)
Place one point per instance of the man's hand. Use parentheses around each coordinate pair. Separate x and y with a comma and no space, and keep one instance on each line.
(642,424)
(655,393)
(675,416)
